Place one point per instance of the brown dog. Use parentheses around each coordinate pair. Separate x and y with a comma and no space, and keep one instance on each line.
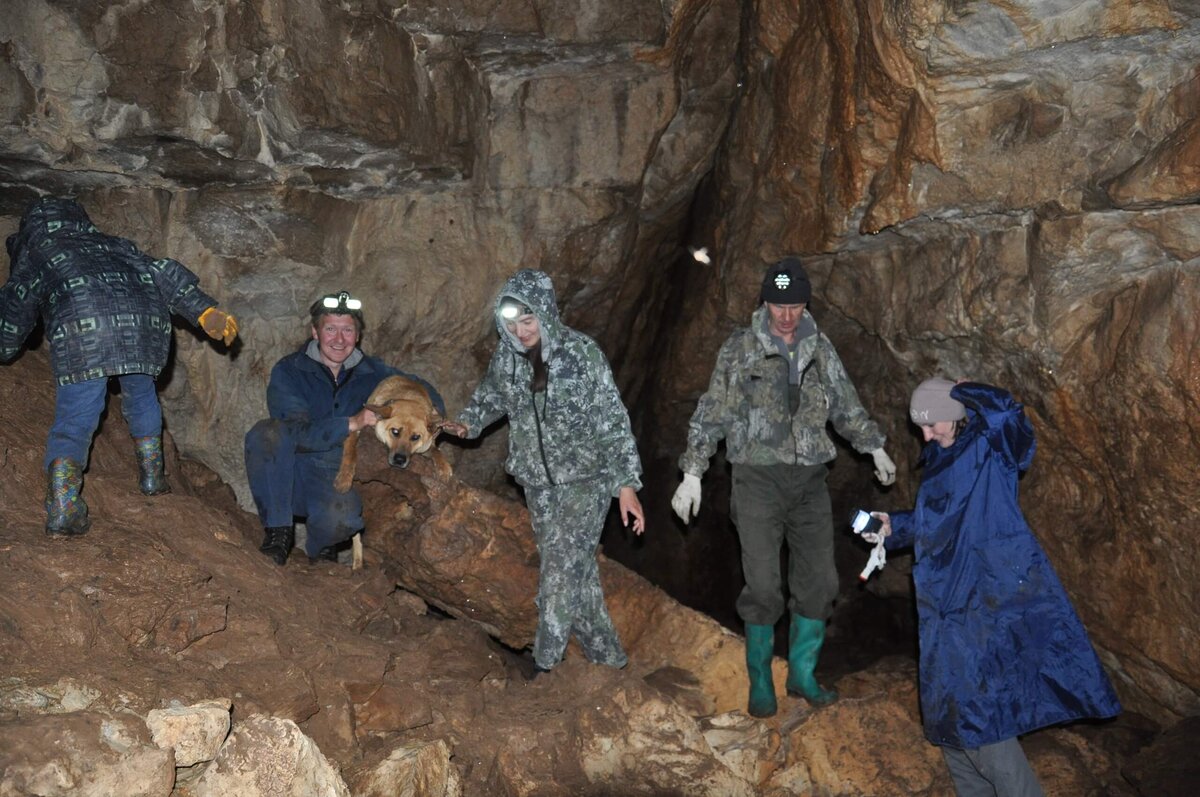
(408,424)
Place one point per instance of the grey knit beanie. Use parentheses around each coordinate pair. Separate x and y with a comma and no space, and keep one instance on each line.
(931,403)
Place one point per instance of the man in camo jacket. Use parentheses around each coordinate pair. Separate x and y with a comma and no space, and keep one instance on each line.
(571,448)
(775,387)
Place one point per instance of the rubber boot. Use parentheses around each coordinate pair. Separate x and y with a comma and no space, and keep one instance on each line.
(152,477)
(760,648)
(278,542)
(805,638)
(66,511)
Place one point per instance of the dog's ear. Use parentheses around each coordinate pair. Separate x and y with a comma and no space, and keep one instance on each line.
(382,410)
(434,424)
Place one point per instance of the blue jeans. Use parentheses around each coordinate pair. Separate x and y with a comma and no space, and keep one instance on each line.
(77,410)
(286,484)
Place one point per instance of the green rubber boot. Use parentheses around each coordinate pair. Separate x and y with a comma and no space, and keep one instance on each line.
(66,511)
(760,648)
(152,476)
(805,638)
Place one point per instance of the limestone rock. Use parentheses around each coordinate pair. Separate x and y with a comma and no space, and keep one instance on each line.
(1168,766)
(627,20)
(684,688)
(391,708)
(851,746)
(1170,175)
(268,756)
(749,747)
(194,732)
(417,770)
(638,743)
(83,754)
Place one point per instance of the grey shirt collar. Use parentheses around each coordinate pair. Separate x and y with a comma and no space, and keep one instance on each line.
(805,328)
(313,352)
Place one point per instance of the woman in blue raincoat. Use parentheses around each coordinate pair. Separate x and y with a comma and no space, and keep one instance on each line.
(1002,652)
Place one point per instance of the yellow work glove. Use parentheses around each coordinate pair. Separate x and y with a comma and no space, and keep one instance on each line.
(218,325)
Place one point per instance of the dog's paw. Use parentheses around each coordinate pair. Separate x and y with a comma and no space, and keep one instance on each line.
(342,483)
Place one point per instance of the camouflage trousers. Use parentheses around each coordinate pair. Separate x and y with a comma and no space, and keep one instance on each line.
(567,522)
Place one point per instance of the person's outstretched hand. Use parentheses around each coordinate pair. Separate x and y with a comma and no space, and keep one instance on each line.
(219,325)
(453,427)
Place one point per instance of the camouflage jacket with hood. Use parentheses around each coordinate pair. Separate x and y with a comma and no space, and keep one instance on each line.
(747,403)
(581,429)
(106,306)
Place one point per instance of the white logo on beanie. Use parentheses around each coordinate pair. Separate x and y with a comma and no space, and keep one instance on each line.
(782,281)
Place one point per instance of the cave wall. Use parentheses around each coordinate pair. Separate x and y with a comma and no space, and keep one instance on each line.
(1006,192)
(1001,190)
(416,154)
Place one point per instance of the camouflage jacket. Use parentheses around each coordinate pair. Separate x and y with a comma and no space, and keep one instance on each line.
(747,403)
(106,306)
(578,429)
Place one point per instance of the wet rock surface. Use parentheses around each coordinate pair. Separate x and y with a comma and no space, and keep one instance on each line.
(317,679)
(1005,191)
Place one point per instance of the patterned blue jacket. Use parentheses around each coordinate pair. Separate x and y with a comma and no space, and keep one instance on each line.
(106,306)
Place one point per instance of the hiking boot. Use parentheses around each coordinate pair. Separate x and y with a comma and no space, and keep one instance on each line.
(278,542)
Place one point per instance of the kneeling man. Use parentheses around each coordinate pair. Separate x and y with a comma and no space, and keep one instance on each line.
(316,398)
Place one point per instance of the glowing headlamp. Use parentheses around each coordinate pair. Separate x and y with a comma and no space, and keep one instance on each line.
(342,303)
(511,309)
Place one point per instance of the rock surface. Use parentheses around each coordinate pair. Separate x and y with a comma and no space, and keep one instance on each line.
(336,679)
(1000,190)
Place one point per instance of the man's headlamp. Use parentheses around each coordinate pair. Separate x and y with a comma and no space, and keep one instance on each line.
(511,309)
(342,303)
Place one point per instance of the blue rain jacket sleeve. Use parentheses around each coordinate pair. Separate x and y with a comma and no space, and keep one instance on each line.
(1002,651)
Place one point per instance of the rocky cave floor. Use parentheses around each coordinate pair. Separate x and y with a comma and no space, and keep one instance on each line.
(167,603)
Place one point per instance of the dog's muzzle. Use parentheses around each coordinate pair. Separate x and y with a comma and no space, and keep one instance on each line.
(398,460)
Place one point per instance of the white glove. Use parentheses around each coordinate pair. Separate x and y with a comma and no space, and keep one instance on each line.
(885,469)
(876,562)
(686,501)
